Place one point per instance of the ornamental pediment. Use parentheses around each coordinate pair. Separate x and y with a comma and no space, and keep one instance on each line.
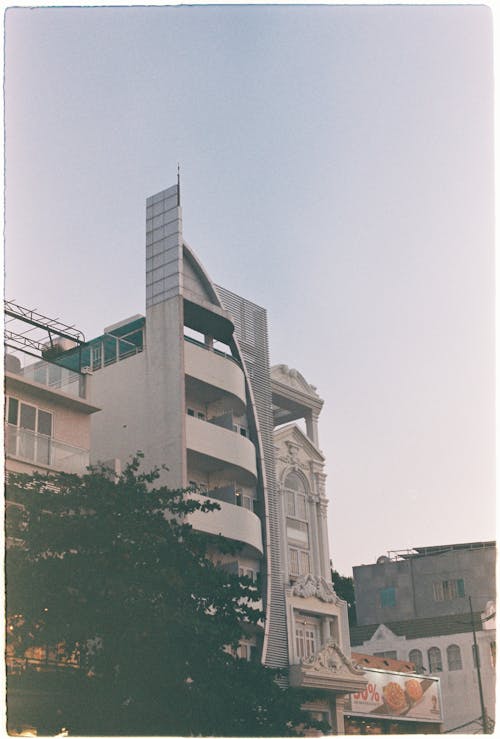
(292,378)
(292,442)
(328,669)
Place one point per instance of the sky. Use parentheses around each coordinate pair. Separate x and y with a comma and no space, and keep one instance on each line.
(336,168)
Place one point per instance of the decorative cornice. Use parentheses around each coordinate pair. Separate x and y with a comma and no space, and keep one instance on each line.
(310,586)
(292,377)
(331,659)
(328,669)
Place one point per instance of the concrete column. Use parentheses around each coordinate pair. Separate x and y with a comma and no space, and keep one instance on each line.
(337,713)
(312,427)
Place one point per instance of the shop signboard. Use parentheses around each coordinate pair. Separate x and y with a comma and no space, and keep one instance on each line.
(400,695)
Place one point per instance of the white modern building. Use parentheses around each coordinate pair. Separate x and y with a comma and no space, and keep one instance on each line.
(189,384)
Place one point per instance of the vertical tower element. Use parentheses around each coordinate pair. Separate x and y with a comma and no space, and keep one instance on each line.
(250,323)
(165,333)
(163,246)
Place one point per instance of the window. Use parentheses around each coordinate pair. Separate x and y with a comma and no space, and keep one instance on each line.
(296,525)
(247,572)
(416,657)
(306,636)
(190,412)
(295,493)
(448,589)
(247,652)
(454,657)
(391,654)
(493,653)
(298,562)
(388,597)
(435,663)
(293,556)
(29,432)
(201,416)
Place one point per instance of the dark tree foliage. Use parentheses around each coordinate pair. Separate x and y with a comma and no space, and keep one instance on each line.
(108,569)
(344,587)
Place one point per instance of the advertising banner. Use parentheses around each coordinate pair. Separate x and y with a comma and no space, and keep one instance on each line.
(397,695)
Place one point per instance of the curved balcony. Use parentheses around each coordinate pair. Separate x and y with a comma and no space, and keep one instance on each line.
(211,447)
(219,374)
(230,521)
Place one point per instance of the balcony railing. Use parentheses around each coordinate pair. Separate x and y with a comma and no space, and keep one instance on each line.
(54,377)
(191,340)
(30,446)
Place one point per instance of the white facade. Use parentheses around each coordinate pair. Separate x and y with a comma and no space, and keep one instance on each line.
(196,393)
(449,657)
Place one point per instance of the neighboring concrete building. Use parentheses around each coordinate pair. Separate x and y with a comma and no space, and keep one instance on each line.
(48,407)
(47,429)
(425,582)
(190,385)
(416,607)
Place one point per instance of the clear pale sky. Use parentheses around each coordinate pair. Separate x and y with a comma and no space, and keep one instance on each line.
(337,168)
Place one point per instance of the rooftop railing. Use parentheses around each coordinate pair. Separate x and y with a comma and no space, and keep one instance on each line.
(51,375)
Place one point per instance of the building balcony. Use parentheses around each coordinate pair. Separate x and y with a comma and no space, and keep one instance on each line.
(231,521)
(44,451)
(50,375)
(211,448)
(213,375)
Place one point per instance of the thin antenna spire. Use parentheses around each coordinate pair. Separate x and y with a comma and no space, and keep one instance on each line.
(178,184)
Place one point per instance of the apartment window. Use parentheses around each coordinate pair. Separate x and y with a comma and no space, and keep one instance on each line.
(295,493)
(306,636)
(448,589)
(454,657)
(435,662)
(31,438)
(298,561)
(244,501)
(388,597)
(248,572)
(247,652)
(293,563)
(416,657)
(190,412)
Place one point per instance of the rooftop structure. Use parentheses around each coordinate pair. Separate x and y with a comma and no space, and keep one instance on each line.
(48,404)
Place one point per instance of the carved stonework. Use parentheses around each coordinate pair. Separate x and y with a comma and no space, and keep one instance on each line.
(292,377)
(321,483)
(310,586)
(328,669)
(331,659)
(293,462)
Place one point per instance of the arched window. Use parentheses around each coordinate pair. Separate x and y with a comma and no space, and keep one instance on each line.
(435,663)
(416,657)
(295,493)
(297,525)
(454,657)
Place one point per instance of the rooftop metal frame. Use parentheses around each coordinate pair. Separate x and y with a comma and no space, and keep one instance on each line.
(29,331)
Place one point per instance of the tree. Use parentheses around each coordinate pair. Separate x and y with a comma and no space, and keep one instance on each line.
(344,587)
(108,572)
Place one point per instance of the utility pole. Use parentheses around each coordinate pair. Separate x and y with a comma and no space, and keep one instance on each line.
(479,683)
